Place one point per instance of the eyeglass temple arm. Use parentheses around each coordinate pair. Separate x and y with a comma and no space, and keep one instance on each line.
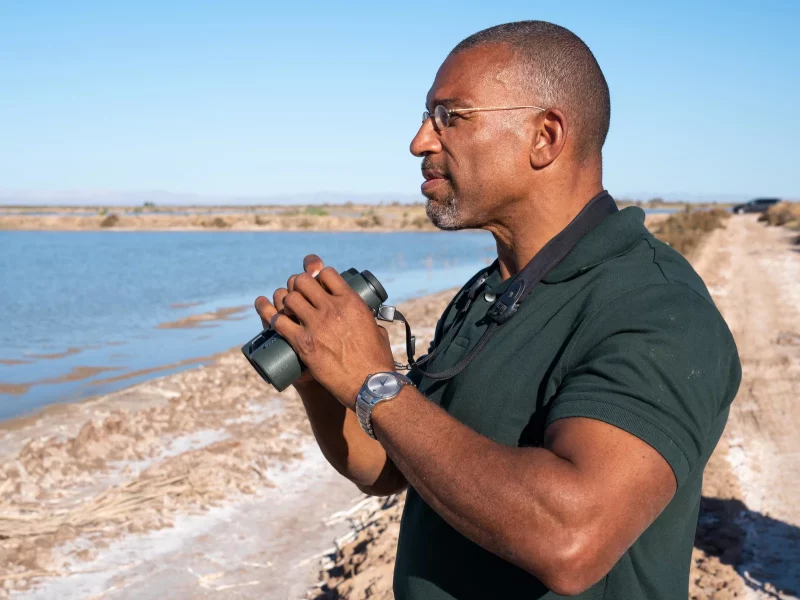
(461,110)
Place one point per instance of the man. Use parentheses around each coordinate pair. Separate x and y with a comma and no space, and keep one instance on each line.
(566,458)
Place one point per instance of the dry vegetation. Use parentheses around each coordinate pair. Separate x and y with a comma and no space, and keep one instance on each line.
(110,221)
(684,231)
(785,214)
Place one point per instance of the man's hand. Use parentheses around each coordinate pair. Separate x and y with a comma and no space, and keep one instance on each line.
(331,328)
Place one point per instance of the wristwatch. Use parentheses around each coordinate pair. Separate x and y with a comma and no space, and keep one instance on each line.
(377,388)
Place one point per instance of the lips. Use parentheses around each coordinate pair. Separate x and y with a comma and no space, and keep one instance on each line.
(430,184)
(431,174)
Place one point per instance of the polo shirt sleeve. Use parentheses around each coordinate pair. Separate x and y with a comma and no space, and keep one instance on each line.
(659,363)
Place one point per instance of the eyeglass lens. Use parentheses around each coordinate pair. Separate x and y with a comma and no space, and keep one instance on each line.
(441,118)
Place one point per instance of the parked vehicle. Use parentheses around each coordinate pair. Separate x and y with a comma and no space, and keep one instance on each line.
(758,205)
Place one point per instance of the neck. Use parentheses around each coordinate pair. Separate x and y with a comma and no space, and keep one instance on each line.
(526,226)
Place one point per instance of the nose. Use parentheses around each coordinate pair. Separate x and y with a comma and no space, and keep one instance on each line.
(426,141)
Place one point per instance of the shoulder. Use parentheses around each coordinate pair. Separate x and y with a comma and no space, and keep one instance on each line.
(647,276)
(652,296)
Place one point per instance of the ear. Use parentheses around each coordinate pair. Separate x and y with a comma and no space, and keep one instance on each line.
(549,138)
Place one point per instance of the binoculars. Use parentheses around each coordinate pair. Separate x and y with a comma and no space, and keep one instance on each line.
(276,361)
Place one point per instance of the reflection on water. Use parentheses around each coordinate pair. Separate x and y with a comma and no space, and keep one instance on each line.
(69,299)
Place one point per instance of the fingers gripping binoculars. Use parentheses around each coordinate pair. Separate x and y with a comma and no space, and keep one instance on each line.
(276,361)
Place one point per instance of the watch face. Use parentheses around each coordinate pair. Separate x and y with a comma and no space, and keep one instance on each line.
(383,384)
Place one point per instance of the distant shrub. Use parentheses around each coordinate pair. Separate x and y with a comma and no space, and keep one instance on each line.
(110,221)
(261,221)
(102,212)
(782,214)
(420,222)
(370,219)
(217,222)
(317,211)
(684,230)
(149,205)
(305,223)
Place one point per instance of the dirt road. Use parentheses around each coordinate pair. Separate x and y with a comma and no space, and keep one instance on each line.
(748,540)
(751,485)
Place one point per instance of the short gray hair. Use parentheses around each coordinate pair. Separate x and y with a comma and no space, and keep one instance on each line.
(561,71)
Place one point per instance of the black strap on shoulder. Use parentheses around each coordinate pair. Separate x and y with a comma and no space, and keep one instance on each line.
(523,284)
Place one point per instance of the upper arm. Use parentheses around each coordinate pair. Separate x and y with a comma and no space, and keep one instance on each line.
(624,484)
(633,411)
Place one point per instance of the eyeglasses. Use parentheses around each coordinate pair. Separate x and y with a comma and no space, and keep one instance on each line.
(441,115)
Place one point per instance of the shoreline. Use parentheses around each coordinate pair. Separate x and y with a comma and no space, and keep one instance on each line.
(354,218)
(78,480)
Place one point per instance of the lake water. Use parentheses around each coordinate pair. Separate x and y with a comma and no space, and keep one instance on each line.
(84,313)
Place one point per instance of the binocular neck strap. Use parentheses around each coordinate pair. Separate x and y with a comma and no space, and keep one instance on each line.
(523,284)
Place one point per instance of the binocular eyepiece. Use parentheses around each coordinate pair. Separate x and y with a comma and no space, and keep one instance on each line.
(276,361)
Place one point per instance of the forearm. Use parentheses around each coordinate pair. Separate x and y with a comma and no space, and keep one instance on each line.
(344,444)
(518,503)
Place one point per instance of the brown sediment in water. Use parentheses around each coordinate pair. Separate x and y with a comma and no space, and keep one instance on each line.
(68,352)
(14,389)
(206,319)
(76,374)
(13,361)
(202,360)
(79,373)
(185,304)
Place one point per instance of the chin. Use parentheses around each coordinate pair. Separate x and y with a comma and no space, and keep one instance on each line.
(445,215)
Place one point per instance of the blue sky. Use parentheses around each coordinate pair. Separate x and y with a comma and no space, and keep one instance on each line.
(254,98)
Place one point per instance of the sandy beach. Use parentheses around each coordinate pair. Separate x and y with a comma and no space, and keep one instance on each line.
(207,483)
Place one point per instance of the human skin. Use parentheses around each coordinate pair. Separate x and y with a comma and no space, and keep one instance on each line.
(564,512)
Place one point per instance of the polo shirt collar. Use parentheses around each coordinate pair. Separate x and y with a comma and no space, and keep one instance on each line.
(614,236)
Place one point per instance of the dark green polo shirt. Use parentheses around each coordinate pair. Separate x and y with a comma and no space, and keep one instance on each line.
(622,330)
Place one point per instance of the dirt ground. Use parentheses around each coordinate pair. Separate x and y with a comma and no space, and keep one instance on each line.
(748,539)
(206,483)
